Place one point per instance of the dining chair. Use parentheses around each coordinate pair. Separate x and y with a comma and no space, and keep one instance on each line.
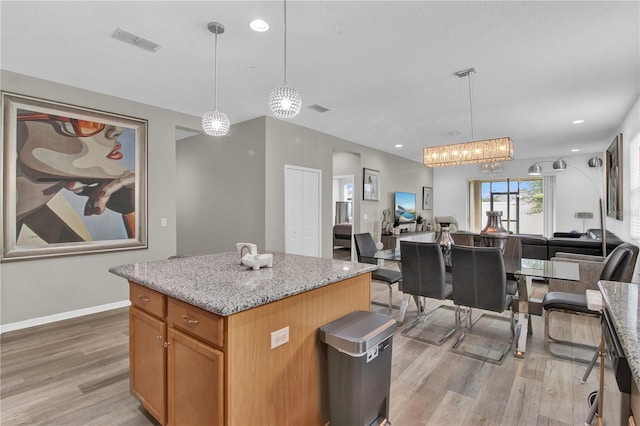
(366,249)
(479,281)
(617,266)
(424,276)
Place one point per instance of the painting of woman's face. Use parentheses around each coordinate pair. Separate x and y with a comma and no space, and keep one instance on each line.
(59,148)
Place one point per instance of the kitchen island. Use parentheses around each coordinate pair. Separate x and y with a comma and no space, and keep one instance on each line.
(214,342)
(622,301)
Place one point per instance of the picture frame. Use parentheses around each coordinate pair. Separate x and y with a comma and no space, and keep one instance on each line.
(74,180)
(371,185)
(427,198)
(614,178)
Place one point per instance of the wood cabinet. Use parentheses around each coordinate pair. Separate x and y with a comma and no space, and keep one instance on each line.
(213,370)
(147,357)
(196,378)
(176,372)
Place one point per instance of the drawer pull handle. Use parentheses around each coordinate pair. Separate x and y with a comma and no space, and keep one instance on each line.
(144,299)
(189,321)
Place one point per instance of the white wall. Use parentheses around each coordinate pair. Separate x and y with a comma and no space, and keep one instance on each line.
(38,288)
(574,193)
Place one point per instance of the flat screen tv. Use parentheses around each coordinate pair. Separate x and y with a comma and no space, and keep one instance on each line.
(405,207)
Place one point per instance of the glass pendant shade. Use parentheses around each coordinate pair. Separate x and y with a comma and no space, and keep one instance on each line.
(285,102)
(215,123)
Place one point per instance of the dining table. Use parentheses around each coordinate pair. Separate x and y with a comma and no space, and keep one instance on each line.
(524,271)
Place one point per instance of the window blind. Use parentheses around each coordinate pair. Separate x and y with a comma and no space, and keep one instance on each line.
(634,187)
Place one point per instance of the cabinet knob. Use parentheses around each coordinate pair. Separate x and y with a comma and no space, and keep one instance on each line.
(189,321)
(166,344)
(143,299)
(158,337)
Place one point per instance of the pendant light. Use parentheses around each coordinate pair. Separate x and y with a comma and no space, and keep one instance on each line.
(215,123)
(285,101)
(483,151)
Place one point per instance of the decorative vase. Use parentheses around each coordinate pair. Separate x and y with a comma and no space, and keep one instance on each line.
(494,234)
(445,241)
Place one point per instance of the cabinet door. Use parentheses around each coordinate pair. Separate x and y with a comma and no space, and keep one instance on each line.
(148,362)
(196,382)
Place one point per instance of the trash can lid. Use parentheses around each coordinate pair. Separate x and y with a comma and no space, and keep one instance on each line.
(357,332)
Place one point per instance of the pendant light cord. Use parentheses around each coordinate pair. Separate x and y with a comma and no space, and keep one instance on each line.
(215,72)
(285,42)
(471,106)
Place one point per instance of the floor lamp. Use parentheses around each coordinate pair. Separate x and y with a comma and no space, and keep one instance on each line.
(583,167)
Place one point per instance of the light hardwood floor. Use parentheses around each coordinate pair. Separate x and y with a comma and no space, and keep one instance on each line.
(76,372)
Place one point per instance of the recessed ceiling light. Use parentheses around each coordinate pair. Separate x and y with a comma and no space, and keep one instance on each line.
(398,145)
(577,122)
(575,150)
(259,25)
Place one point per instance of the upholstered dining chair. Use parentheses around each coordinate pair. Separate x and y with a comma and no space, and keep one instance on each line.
(479,281)
(617,266)
(366,249)
(424,275)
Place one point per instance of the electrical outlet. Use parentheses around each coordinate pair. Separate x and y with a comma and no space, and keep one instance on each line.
(279,337)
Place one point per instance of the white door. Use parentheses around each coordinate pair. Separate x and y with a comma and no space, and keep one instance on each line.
(302,201)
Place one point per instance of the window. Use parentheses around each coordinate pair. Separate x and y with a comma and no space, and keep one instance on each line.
(521,201)
(634,187)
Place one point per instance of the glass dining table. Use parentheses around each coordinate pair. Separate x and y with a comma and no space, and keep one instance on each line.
(524,271)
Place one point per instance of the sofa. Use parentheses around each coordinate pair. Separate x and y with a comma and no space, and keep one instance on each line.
(539,247)
(342,235)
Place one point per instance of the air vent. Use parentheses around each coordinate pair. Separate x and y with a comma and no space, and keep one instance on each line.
(318,108)
(451,133)
(142,43)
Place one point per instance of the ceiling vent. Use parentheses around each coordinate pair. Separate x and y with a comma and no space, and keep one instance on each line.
(130,38)
(318,108)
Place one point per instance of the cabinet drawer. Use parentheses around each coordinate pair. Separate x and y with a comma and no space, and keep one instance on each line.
(148,300)
(195,321)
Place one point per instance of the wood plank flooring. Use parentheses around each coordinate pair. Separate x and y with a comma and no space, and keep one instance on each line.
(76,372)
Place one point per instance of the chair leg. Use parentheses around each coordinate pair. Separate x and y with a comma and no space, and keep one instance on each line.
(466,330)
(420,318)
(549,339)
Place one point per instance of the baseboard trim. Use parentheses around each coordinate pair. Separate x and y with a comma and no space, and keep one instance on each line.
(62,316)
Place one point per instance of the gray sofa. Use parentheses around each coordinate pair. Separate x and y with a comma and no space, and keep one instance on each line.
(539,247)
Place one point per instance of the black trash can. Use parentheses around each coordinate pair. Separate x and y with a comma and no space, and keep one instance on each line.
(359,347)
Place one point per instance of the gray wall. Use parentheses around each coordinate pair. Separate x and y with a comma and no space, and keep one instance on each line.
(37,288)
(244,170)
(288,143)
(221,193)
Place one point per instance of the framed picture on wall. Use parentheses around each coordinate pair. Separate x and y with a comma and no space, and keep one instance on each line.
(427,198)
(614,178)
(371,185)
(74,180)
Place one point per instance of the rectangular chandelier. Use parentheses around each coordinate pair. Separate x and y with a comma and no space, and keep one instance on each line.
(485,151)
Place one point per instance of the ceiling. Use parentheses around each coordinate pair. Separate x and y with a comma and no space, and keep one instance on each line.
(385,70)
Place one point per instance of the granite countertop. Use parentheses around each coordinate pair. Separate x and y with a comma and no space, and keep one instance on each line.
(218,283)
(623,301)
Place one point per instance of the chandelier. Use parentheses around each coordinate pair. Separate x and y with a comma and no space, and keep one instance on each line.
(482,151)
(215,123)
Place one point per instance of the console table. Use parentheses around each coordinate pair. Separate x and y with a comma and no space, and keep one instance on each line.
(391,241)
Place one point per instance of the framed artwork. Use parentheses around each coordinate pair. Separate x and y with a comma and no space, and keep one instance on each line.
(74,180)
(614,178)
(427,198)
(371,185)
